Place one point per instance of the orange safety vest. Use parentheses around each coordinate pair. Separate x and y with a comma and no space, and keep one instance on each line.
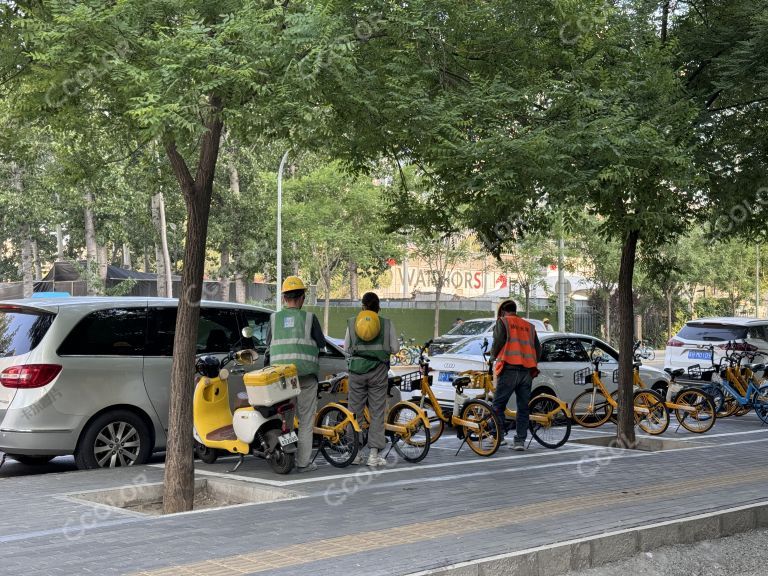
(520,347)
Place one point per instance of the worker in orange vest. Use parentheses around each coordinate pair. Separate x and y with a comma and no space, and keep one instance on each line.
(516,350)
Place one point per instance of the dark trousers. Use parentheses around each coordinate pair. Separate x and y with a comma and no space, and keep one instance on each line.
(515,381)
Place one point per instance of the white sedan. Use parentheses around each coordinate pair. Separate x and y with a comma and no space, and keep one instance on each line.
(562,355)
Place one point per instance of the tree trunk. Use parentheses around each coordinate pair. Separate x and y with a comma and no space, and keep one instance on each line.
(527,293)
(91,248)
(626,429)
(59,243)
(179,489)
(438,293)
(36,261)
(224,275)
(158,219)
(102,259)
(27,266)
(608,316)
(353,280)
(241,289)
(327,303)
(669,314)
(127,256)
(162,288)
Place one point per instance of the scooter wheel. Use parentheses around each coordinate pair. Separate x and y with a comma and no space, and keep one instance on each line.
(207,455)
(279,461)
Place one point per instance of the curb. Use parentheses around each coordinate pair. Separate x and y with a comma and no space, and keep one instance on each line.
(589,552)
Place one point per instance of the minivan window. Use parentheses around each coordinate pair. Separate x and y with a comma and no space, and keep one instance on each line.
(218,330)
(259,323)
(712,332)
(161,327)
(22,330)
(110,332)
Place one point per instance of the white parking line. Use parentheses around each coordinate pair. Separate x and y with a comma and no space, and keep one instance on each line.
(378,472)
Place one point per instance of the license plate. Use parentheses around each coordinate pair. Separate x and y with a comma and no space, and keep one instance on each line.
(446,377)
(699,354)
(287,439)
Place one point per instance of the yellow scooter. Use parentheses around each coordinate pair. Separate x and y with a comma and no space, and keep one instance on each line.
(261,430)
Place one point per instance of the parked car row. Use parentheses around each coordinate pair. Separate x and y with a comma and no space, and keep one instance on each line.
(86,376)
(468,329)
(562,354)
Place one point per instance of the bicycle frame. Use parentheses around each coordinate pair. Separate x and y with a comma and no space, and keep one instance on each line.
(752,393)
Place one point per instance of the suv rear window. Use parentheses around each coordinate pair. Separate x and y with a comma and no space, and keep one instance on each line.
(712,332)
(22,330)
(471,328)
(111,332)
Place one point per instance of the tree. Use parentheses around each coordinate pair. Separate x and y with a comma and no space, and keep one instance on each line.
(334,219)
(441,252)
(526,260)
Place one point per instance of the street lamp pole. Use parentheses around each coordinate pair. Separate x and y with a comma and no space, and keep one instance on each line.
(278,299)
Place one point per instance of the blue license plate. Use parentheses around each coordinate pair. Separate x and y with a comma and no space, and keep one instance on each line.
(699,355)
(446,377)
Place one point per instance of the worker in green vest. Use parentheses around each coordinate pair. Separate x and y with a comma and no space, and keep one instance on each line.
(369,341)
(295,337)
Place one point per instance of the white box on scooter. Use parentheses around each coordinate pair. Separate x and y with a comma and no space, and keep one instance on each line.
(246,421)
(270,385)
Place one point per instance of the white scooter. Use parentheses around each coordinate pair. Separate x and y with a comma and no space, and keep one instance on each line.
(261,430)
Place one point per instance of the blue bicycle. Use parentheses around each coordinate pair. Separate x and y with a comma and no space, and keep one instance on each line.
(755,397)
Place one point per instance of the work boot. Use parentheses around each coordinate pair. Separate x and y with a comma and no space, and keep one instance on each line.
(374,459)
(311,467)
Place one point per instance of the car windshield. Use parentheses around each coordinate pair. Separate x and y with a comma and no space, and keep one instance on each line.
(22,330)
(712,332)
(471,328)
(473,347)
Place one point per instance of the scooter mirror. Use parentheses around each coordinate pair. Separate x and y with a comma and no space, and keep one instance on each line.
(223,374)
(247,332)
(245,357)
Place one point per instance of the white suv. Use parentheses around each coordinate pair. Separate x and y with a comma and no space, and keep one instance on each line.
(688,346)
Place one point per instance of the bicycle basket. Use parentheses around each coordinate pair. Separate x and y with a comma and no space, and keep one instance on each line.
(694,372)
(410,382)
(583,377)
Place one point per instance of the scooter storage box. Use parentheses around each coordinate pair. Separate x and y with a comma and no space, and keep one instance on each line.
(271,385)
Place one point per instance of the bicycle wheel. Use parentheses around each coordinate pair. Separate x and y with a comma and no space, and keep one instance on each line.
(650,354)
(339,451)
(403,357)
(415,445)
(699,415)
(393,360)
(650,412)
(716,395)
(591,409)
(436,425)
(487,438)
(761,406)
(557,430)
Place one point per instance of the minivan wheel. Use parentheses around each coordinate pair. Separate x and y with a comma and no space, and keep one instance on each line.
(31,460)
(114,439)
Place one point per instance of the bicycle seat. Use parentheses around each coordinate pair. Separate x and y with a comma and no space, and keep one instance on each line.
(462,382)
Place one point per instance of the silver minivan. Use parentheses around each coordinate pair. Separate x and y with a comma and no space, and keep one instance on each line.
(83,375)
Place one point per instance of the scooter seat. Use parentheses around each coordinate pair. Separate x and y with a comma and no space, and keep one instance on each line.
(223,433)
(242,400)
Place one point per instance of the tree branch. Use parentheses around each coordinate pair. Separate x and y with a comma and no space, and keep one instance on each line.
(179,166)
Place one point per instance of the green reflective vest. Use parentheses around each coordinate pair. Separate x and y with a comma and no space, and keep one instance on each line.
(292,341)
(365,356)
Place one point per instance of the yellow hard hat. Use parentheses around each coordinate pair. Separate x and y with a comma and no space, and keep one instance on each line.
(292,283)
(367,325)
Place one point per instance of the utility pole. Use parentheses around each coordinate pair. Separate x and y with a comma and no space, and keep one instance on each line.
(278,298)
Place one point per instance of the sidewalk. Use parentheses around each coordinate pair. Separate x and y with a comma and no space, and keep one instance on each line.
(399,520)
